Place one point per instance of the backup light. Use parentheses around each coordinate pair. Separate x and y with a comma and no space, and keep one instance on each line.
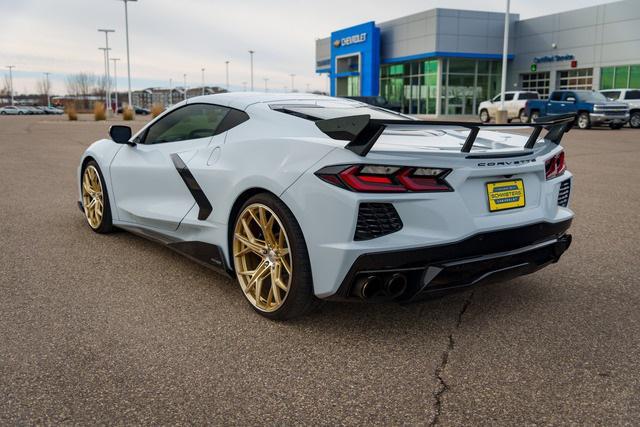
(555,166)
(386,179)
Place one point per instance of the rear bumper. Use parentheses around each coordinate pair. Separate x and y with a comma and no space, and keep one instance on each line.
(482,258)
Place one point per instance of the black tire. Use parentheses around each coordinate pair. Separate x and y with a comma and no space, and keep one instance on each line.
(584,121)
(3,113)
(616,126)
(523,116)
(300,298)
(20,113)
(634,121)
(106,225)
(484,116)
(534,116)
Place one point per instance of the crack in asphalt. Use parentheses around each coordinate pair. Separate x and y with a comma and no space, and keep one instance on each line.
(443,387)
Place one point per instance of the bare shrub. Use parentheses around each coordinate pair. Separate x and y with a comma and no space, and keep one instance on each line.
(99,111)
(127,113)
(156,110)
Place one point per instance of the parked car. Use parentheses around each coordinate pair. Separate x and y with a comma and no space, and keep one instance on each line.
(514,103)
(28,109)
(591,108)
(11,110)
(377,101)
(631,97)
(52,110)
(138,110)
(303,197)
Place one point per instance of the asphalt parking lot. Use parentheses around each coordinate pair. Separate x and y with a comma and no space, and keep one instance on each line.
(113,329)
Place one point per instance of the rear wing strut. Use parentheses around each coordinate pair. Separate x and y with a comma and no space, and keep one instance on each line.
(362,131)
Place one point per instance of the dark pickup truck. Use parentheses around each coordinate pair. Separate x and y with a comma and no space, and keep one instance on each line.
(591,108)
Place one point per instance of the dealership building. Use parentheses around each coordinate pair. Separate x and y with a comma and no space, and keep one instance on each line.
(445,61)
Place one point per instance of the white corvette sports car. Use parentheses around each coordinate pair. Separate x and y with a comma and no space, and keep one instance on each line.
(305,197)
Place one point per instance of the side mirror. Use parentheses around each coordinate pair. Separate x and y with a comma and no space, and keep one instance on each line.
(571,99)
(120,134)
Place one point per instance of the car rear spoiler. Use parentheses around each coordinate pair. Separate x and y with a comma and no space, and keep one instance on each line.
(362,131)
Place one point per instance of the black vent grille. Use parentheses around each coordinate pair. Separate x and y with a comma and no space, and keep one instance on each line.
(375,220)
(563,194)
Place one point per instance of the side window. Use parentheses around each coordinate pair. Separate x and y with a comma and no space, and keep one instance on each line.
(189,122)
(556,96)
(632,94)
(508,97)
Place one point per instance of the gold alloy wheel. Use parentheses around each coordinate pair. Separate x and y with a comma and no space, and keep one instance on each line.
(92,196)
(262,257)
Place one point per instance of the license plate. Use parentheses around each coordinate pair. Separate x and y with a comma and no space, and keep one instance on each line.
(505,195)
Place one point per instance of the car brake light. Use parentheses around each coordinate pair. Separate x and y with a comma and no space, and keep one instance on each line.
(555,166)
(385,179)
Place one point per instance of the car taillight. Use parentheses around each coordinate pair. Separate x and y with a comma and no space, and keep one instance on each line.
(555,166)
(386,179)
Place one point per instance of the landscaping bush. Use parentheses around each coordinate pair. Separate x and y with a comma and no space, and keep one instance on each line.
(127,113)
(99,111)
(156,110)
(71,111)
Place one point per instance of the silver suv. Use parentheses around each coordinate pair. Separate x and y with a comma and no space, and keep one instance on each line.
(629,96)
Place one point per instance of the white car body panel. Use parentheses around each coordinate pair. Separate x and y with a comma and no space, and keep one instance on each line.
(280,153)
(513,106)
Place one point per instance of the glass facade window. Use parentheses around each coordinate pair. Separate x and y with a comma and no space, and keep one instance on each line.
(412,86)
(536,82)
(620,77)
(578,79)
(468,82)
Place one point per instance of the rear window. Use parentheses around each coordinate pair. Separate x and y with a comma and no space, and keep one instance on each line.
(632,94)
(321,110)
(528,95)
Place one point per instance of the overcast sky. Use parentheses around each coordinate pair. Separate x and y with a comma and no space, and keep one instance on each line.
(171,37)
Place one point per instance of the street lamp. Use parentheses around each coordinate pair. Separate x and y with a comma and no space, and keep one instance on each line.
(292,86)
(502,116)
(46,76)
(227,65)
(203,81)
(185,86)
(106,58)
(251,52)
(106,74)
(115,80)
(126,26)
(11,67)
(265,84)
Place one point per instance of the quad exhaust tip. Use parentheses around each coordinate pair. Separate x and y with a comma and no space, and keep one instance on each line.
(374,286)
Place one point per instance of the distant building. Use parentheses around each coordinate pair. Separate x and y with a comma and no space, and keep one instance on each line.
(166,97)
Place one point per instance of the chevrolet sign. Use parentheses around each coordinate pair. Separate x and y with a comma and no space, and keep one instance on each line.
(346,41)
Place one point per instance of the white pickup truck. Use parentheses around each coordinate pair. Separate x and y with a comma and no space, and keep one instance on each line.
(513,102)
(631,97)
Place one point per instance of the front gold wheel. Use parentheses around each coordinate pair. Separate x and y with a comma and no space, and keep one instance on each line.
(262,257)
(92,196)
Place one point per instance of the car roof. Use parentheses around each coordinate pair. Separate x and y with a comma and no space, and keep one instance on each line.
(242,100)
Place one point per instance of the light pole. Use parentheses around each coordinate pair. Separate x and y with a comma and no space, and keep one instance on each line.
(265,84)
(115,80)
(106,75)
(203,81)
(11,67)
(292,86)
(106,56)
(251,52)
(185,86)
(226,63)
(170,92)
(501,116)
(46,76)
(126,26)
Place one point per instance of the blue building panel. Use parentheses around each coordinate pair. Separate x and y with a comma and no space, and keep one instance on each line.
(363,39)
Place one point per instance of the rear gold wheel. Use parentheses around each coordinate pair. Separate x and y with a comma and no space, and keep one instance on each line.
(262,257)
